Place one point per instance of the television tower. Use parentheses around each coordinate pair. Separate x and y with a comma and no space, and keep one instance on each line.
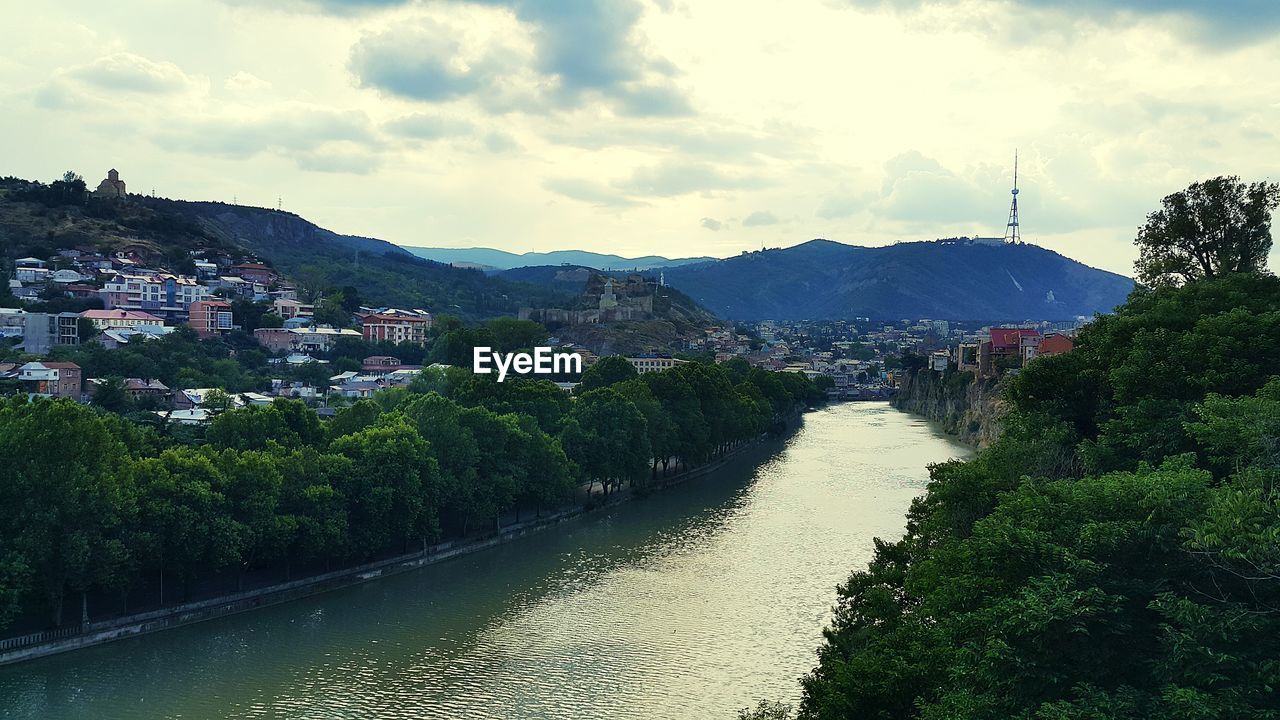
(1012,235)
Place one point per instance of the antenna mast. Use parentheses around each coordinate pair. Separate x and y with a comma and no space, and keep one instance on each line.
(1012,235)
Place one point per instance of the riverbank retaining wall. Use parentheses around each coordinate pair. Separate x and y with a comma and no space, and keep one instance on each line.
(964,405)
(13,650)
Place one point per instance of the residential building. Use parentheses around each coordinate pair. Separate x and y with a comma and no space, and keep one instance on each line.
(51,379)
(42,331)
(31,274)
(1008,342)
(653,363)
(397,326)
(380,363)
(103,319)
(1056,344)
(211,317)
(254,273)
(159,293)
(288,309)
(113,338)
(303,339)
(140,388)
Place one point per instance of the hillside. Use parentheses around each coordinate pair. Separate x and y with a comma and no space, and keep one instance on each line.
(673,320)
(822,279)
(35,221)
(489,258)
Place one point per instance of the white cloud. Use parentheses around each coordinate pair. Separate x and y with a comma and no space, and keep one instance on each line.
(760,218)
(608,125)
(126,72)
(244,81)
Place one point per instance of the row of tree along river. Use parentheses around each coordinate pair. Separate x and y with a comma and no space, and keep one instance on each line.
(690,602)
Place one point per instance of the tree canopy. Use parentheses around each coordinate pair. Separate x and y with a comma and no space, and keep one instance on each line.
(1212,228)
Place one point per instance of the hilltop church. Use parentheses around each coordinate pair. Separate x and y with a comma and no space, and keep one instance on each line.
(111,187)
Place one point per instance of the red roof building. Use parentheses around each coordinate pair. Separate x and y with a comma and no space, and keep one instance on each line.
(1056,345)
(1008,341)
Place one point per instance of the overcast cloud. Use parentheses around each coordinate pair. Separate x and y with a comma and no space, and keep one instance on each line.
(636,127)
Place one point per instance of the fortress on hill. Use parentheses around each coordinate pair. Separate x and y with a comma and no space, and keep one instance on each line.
(604,299)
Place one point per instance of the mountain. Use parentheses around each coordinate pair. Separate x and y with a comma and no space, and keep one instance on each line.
(944,280)
(491,259)
(37,219)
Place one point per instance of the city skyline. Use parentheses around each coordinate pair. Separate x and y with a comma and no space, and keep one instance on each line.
(666,128)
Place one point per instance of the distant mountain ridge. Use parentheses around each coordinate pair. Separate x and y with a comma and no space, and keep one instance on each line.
(942,280)
(491,258)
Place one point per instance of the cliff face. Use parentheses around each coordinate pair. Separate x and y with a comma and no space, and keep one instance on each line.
(966,407)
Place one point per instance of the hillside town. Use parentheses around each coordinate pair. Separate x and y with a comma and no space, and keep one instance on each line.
(141,302)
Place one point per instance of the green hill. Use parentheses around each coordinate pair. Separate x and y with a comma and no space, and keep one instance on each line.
(946,280)
(39,220)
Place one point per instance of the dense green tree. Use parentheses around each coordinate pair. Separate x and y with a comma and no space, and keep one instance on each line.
(68,490)
(511,335)
(110,394)
(1213,228)
(1113,554)
(606,436)
(605,372)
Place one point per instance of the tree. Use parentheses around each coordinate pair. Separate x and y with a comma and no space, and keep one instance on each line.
(111,395)
(510,334)
(607,437)
(1212,228)
(606,371)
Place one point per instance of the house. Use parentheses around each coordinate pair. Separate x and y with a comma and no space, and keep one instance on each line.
(195,397)
(211,317)
(382,363)
(1056,344)
(1008,342)
(397,326)
(299,390)
(80,290)
(66,277)
(288,308)
(31,274)
(205,270)
(187,416)
(103,319)
(254,273)
(356,388)
(51,379)
(113,338)
(139,388)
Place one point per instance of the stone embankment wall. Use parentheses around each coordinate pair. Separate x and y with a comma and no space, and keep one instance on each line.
(966,406)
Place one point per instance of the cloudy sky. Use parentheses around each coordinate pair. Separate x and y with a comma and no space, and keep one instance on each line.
(675,127)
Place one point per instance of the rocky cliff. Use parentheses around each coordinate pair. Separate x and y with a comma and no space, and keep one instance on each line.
(965,406)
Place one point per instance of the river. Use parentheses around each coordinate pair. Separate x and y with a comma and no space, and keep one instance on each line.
(690,603)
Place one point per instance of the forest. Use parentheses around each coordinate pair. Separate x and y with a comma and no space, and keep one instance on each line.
(118,515)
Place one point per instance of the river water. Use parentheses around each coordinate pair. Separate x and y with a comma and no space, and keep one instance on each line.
(690,603)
